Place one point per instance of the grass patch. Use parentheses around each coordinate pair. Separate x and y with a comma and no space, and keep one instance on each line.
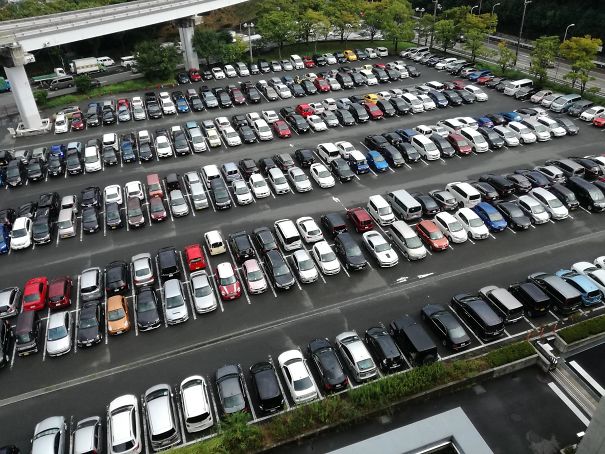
(582,330)
(353,405)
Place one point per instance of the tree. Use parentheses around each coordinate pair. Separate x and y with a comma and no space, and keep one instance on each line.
(344,15)
(476,29)
(580,52)
(543,56)
(156,62)
(83,83)
(235,51)
(398,23)
(310,22)
(506,57)
(278,27)
(446,33)
(373,16)
(424,28)
(210,44)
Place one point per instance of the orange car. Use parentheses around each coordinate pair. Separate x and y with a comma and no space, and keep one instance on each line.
(117,315)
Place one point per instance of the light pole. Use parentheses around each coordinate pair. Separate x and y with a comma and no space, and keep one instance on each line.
(564,39)
(437,5)
(421,11)
(525,3)
(494,7)
(473,8)
(249,25)
(480,5)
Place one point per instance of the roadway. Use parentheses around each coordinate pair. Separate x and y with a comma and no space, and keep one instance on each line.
(253,327)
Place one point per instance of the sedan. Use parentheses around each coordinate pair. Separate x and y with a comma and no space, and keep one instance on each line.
(376,161)
(254,277)
(446,326)
(299,179)
(325,257)
(259,186)
(231,390)
(380,248)
(157,210)
(146,309)
(282,129)
(175,306)
(322,176)
(116,277)
(90,324)
(309,230)
(492,217)
(242,192)
(514,215)
(202,292)
(58,334)
(316,123)
(297,376)
(472,223)
(331,372)
(49,436)
(178,204)
(90,220)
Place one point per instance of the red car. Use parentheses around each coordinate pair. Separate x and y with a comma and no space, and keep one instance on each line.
(304,110)
(194,75)
(282,129)
(380,65)
(308,62)
(35,294)
(599,122)
(77,121)
(322,85)
(228,284)
(458,84)
(157,209)
(236,96)
(361,219)
(460,144)
(373,111)
(123,102)
(59,292)
(484,79)
(432,236)
(195,257)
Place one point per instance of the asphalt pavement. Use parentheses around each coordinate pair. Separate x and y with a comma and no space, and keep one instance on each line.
(253,327)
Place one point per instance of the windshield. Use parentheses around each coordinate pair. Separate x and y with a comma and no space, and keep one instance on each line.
(174,301)
(57,333)
(305,265)
(136,211)
(241,189)
(228,280)
(300,177)
(302,384)
(475,222)
(413,242)
(89,216)
(281,270)
(90,322)
(455,226)
(384,210)
(259,183)
(116,314)
(494,216)
(19,233)
(555,203)
(234,401)
(144,271)
(383,247)
(537,209)
(280,180)
(457,333)
(435,235)
(145,305)
(13,171)
(90,159)
(365,364)
(40,228)
(255,275)
(327,257)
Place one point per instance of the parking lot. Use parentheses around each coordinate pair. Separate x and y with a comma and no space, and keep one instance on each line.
(260,327)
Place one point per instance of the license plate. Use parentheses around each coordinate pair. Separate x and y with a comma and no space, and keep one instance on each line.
(118,332)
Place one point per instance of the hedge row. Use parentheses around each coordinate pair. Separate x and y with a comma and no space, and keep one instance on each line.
(582,330)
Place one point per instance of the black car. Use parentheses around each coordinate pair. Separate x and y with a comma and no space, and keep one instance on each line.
(375,141)
(409,153)
(247,134)
(497,119)
(264,240)
(265,164)
(565,195)
(42,227)
(429,205)
(446,326)
(146,151)
(479,315)
(5,342)
(109,116)
(413,340)
(487,191)
(298,123)
(50,200)
(384,348)
(494,141)
(592,170)
(247,167)
(467,98)
(238,120)
(392,155)
(344,117)
(182,78)
(503,185)
(154,111)
(522,184)
(358,78)
(341,169)
(392,137)
(308,87)
(36,170)
(196,103)
(524,93)
(55,166)
(241,246)
(267,387)
(320,60)
(445,148)
(109,156)
(253,95)
(73,162)
(304,157)
(278,270)
(90,219)
(284,161)
(116,277)
(331,372)
(359,113)
(113,215)
(224,100)
(220,194)
(453,98)
(514,216)
(349,252)
(7,217)
(412,71)
(27,210)
(148,316)
(90,324)
(570,127)
(91,196)
(537,179)
(15,173)
(297,90)
(495,81)
(128,148)
(401,107)
(286,111)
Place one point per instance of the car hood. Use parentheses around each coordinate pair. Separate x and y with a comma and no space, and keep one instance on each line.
(285,279)
(86,334)
(58,346)
(147,317)
(387,256)
(176,312)
(229,289)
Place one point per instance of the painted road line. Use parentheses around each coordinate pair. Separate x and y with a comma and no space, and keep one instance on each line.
(567,401)
(76,318)
(587,378)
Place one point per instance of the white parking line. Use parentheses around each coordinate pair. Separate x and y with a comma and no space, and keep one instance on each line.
(46,335)
(76,318)
(105,312)
(567,401)
(134,300)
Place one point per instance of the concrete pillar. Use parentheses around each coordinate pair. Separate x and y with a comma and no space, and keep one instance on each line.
(186,29)
(594,438)
(13,60)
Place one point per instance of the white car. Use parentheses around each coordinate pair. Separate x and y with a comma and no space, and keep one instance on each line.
(330,58)
(21,234)
(259,186)
(325,258)
(472,223)
(509,137)
(384,95)
(231,136)
(550,202)
(480,95)
(299,179)
(168,107)
(344,148)
(334,84)
(297,376)
(270,116)
(283,91)
(533,209)
(252,117)
(134,189)
(242,193)
(553,173)
(61,124)
(318,108)
(304,266)
(441,65)
(262,129)
(58,337)
(322,175)
(382,51)
(229,71)
(113,193)
(588,115)
(450,227)
(523,132)
(213,138)
(380,248)
(330,104)
(124,425)
(222,123)
(163,147)
(164,96)
(593,272)
(316,123)
(278,181)
(309,230)
(440,130)
(427,102)
(371,52)
(217,73)
(214,242)
(556,130)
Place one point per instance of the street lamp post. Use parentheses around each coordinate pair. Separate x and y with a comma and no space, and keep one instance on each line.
(473,8)
(249,25)
(480,5)
(564,39)
(437,5)
(525,3)
(494,7)
(421,12)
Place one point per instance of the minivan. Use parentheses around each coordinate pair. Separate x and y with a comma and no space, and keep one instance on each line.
(404,205)
(513,87)
(61,82)
(563,103)
(168,264)
(464,193)
(27,333)
(209,173)
(425,146)
(414,341)
(476,139)
(588,194)
(380,210)
(408,241)
(503,302)
(287,234)
(67,223)
(566,299)
(535,301)
(569,167)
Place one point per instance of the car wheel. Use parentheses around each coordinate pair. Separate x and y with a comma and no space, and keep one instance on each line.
(444,342)
(590,207)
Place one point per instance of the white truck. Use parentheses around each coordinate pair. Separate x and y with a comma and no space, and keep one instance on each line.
(84,65)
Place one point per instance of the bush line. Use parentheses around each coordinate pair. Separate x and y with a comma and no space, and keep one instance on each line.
(582,330)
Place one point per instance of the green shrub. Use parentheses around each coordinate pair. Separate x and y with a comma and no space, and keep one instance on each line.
(238,436)
(583,329)
(509,354)
(83,83)
(41,97)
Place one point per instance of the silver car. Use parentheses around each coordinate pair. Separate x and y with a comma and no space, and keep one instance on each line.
(160,413)
(197,413)
(124,426)
(142,269)
(49,436)
(58,338)
(299,179)
(178,204)
(305,266)
(88,436)
(242,192)
(175,307)
(204,299)
(254,277)
(356,356)
(10,302)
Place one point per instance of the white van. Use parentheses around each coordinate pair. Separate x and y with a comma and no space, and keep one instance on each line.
(380,210)
(128,61)
(209,173)
(514,86)
(415,104)
(287,234)
(476,139)
(328,151)
(297,62)
(425,146)
(92,159)
(464,193)
(215,243)
(404,205)
(105,61)
(67,223)
(407,240)
(452,125)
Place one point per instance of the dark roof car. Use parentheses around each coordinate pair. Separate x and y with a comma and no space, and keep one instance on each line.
(231,391)
(384,348)
(349,252)
(304,157)
(278,270)
(264,239)
(116,277)
(479,315)
(267,387)
(90,324)
(334,223)
(332,375)
(514,215)
(241,246)
(341,169)
(148,316)
(446,326)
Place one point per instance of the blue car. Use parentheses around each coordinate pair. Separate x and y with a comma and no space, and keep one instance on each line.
(511,116)
(376,161)
(484,122)
(58,150)
(182,106)
(5,239)
(406,134)
(438,98)
(490,216)
(474,76)
(591,294)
